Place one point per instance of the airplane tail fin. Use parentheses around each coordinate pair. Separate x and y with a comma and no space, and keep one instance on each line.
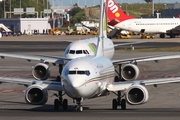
(115,14)
(102,28)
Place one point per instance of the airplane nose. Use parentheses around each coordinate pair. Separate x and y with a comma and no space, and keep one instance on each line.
(75,83)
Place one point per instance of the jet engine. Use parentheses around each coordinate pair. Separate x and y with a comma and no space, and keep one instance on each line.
(36,95)
(41,71)
(136,95)
(129,72)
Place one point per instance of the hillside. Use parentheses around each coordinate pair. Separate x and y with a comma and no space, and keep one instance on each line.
(136,9)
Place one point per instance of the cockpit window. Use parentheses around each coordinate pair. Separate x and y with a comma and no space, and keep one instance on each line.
(78,51)
(79,72)
(87,72)
(72,52)
(85,52)
(72,72)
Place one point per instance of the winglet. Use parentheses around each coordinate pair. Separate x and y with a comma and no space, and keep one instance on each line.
(115,14)
(102,28)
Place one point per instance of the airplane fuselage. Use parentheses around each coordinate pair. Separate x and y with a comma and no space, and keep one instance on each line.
(87,77)
(87,47)
(149,25)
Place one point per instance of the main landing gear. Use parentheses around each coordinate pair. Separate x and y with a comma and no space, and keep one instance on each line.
(60,102)
(78,107)
(118,102)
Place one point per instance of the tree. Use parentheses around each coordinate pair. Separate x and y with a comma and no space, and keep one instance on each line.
(77,14)
(38,4)
(148,1)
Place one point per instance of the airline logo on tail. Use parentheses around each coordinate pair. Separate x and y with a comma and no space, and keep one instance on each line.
(115,14)
(113,8)
(93,47)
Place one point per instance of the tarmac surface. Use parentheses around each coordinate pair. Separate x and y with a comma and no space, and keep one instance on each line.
(163,101)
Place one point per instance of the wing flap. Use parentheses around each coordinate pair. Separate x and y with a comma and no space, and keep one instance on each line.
(17,80)
(49,84)
(146,58)
(122,86)
(44,58)
(123,44)
(159,81)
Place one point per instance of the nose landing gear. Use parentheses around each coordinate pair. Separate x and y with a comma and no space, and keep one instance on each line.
(78,107)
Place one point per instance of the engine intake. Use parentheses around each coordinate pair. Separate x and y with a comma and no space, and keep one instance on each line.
(36,95)
(129,72)
(41,71)
(136,95)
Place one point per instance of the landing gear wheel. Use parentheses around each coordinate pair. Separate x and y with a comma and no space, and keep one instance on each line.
(123,104)
(58,78)
(116,79)
(114,104)
(78,108)
(56,104)
(65,104)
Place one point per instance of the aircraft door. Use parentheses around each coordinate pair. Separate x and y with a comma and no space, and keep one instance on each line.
(129,25)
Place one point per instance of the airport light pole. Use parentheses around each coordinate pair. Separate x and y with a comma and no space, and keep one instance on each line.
(10,8)
(152,8)
(4,9)
(47,8)
(20,7)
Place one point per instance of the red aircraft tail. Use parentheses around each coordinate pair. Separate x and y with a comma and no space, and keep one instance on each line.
(115,14)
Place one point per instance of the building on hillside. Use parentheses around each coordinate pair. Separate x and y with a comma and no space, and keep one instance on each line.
(171,10)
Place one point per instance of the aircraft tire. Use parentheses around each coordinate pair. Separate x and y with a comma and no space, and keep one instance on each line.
(162,35)
(114,104)
(65,104)
(58,78)
(123,104)
(56,104)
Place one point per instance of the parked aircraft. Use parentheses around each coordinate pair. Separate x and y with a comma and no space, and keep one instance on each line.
(90,77)
(163,26)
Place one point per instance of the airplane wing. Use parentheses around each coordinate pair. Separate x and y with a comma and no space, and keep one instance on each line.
(122,44)
(49,84)
(146,58)
(175,30)
(51,59)
(120,86)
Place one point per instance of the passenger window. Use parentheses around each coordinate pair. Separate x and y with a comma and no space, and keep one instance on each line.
(78,51)
(72,52)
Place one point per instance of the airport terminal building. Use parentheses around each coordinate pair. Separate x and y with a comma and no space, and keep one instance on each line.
(26,24)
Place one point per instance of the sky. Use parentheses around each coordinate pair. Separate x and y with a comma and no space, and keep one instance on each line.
(96,2)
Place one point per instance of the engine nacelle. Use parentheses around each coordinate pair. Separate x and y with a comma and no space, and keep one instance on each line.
(41,71)
(36,95)
(136,95)
(129,72)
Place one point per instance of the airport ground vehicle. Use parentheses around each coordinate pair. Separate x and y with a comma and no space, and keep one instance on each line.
(147,36)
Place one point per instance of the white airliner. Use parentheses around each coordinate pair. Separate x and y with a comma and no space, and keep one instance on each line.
(90,77)
(0,35)
(164,26)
